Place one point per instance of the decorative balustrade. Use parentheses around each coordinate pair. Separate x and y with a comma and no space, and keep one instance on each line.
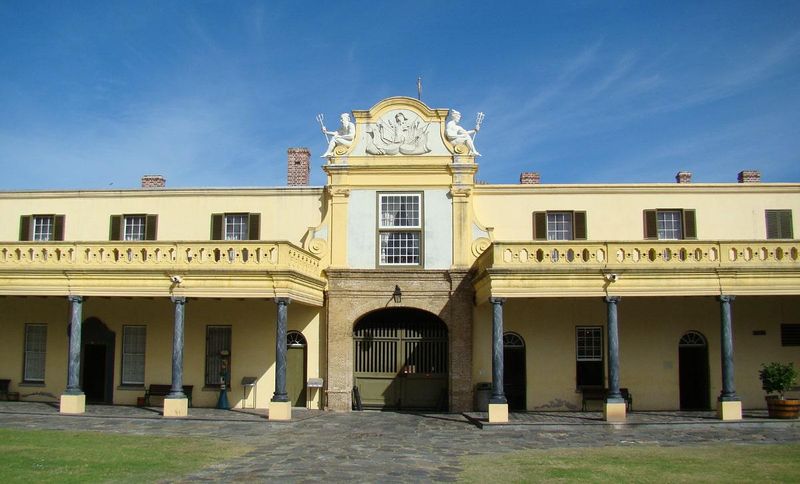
(245,255)
(646,254)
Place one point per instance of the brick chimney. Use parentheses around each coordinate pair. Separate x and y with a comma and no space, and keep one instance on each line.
(153,181)
(299,166)
(529,178)
(749,176)
(684,177)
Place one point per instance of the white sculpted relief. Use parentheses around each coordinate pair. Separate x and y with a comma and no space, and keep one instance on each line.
(341,137)
(460,136)
(402,133)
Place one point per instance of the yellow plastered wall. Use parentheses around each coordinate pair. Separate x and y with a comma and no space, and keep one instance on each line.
(649,332)
(252,348)
(286,213)
(724,212)
(15,313)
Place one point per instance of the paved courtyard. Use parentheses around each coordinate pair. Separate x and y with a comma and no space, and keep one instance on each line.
(401,447)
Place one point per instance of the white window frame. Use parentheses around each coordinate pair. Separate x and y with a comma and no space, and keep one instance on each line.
(43,228)
(589,347)
(400,239)
(134,347)
(134,227)
(236,226)
(35,353)
(669,224)
(559,226)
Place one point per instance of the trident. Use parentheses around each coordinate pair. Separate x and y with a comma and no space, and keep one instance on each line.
(321,121)
(478,121)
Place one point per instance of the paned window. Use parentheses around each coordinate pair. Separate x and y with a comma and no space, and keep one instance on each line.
(400,228)
(559,225)
(669,224)
(133,349)
(218,355)
(235,226)
(589,356)
(779,224)
(35,351)
(41,228)
(133,227)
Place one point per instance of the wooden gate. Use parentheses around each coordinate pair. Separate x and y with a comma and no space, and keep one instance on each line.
(400,360)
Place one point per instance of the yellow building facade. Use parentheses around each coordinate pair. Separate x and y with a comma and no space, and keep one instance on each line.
(402,283)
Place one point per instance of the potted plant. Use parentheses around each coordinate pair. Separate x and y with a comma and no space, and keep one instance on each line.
(776,380)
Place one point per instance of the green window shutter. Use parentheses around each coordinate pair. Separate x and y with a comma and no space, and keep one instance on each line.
(254,226)
(25,227)
(216,226)
(689,224)
(540,225)
(650,225)
(779,224)
(579,225)
(58,227)
(151,227)
(115,228)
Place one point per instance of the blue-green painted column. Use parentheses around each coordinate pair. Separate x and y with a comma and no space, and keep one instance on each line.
(74,365)
(177,349)
(728,393)
(498,394)
(280,394)
(612,337)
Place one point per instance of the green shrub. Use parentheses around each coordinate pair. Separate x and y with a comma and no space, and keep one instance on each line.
(777,377)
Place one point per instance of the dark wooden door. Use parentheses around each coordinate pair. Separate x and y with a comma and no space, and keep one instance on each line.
(401,360)
(94,372)
(693,372)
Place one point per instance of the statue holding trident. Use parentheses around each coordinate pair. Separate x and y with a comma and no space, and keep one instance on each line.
(342,137)
(458,135)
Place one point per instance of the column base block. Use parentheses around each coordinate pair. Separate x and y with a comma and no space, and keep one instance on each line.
(176,407)
(72,404)
(338,401)
(614,412)
(729,410)
(498,413)
(280,411)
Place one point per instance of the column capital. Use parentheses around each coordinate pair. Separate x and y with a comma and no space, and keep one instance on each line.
(75,299)
(726,298)
(497,300)
(285,301)
(178,299)
(612,299)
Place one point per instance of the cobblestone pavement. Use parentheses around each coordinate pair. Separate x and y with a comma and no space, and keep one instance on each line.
(401,447)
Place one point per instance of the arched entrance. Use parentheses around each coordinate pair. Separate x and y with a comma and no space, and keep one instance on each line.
(296,368)
(97,361)
(693,371)
(514,370)
(400,359)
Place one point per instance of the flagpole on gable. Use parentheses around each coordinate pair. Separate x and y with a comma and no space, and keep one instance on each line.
(419,88)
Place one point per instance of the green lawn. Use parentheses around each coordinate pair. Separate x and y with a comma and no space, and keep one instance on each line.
(53,456)
(641,463)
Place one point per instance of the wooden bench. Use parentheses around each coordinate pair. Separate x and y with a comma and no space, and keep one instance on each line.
(160,390)
(598,394)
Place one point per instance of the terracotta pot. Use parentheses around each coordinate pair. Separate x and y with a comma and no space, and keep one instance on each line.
(777,408)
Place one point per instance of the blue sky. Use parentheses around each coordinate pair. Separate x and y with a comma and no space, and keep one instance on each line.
(96,94)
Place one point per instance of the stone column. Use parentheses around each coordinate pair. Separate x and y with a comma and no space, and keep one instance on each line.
(73,400)
(614,408)
(74,370)
(729,406)
(176,404)
(498,405)
(280,407)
